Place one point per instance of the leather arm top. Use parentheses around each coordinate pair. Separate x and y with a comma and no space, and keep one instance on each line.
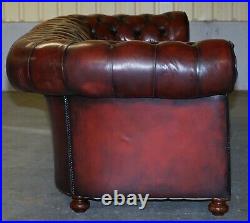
(98,68)
(90,55)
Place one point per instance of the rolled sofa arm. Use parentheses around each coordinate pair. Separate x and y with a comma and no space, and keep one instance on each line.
(56,34)
(58,57)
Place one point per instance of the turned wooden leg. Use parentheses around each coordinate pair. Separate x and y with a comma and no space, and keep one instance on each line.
(79,204)
(218,207)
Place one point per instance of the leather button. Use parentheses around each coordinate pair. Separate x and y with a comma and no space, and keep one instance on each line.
(61,56)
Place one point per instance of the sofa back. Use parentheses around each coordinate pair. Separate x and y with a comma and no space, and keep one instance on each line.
(146,27)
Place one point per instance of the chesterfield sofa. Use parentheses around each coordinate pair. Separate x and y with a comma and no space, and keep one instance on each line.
(134,106)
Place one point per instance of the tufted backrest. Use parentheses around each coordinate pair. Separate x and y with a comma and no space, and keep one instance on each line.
(173,26)
(147,27)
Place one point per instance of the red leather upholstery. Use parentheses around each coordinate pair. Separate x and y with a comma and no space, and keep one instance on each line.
(111,130)
(139,69)
(167,148)
(62,56)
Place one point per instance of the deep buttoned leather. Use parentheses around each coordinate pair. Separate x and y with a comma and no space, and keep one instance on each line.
(121,56)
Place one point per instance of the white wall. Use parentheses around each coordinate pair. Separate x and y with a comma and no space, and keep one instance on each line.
(201,11)
(234,31)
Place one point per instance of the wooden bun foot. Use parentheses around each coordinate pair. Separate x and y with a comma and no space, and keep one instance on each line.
(79,204)
(218,207)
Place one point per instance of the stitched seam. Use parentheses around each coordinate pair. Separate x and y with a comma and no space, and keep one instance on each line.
(10,75)
(29,76)
(226,105)
(198,69)
(112,71)
(155,77)
(64,74)
(234,66)
(69,144)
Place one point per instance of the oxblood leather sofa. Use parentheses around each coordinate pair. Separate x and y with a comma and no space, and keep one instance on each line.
(134,106)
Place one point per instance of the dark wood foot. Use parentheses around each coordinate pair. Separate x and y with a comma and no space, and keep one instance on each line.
(79,204)
(218,207)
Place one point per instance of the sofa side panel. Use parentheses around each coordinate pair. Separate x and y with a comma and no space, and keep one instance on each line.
(167,148)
